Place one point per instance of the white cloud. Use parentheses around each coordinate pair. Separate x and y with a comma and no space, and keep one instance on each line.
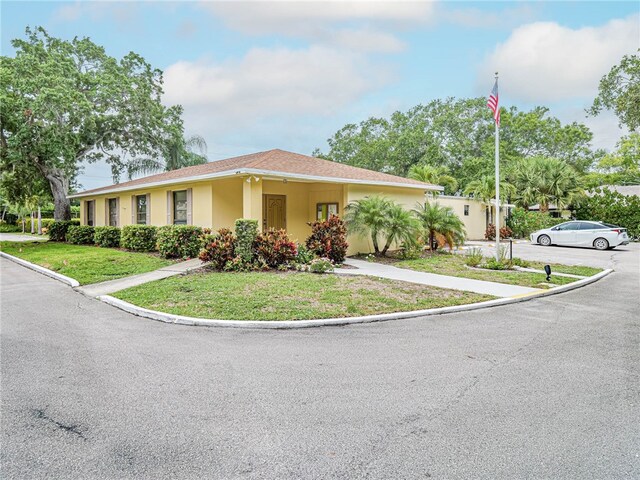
(478,18)
(544,61)
(268,84)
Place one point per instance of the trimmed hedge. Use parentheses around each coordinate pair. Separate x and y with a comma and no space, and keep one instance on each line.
(179,241)
(108,237)
(246,234)
(58,230)
(523,222)
(139,238)
(80,235)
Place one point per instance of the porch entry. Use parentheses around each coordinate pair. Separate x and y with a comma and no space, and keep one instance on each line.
(274,212)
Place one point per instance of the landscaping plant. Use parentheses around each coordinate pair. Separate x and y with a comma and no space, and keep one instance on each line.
(80,235)
(274,248)
(179,241)
(246,234)
(58,230)
(320,265)
(490,232)
(523,222)
(219,248)
(139,238)
(328,239)
(473,257)
(435,220)
(612,207)
(108,237)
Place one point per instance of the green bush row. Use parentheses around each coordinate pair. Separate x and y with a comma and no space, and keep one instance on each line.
(179,241)
(523,222)
(80,235)
(58,230)
(612,207)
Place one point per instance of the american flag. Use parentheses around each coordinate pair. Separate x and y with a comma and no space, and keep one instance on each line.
(492,103)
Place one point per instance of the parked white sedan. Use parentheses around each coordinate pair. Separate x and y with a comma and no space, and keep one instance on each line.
(579,233)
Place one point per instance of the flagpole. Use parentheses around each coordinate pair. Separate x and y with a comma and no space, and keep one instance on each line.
(497,221)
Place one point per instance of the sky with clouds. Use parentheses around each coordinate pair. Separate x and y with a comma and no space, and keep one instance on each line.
(278,74)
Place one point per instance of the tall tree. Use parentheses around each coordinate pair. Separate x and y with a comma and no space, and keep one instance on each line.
(619,90)
(544,181)
(620,167)
(63,103)
(178,153)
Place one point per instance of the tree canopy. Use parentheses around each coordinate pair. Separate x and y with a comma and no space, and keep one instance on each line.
(67,103)
(458,134)
(619,90)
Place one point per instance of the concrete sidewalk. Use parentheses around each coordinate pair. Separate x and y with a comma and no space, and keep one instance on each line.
(105,288)
(442,281)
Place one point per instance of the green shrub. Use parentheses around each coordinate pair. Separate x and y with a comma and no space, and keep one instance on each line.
(108,237)
(320,265)
(179,241)
(58,230)
(8,228)
(473,257)
(520,262)
(139,238)
(494,264)
(274,248)
(46,223)
(329,239)
(304,255)
(410,251)
(612,207)
(490,232)
(80,235)
(219,248)
(523,222)
(246,234)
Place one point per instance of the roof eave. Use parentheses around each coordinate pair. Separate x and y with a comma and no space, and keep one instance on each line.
(253,171)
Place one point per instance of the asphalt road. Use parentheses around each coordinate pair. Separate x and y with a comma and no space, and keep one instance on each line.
(549,388)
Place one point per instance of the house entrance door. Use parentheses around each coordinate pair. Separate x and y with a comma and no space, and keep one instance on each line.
(274,212)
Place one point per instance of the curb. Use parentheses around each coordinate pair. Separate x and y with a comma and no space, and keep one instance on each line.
(291,324)
(72,282)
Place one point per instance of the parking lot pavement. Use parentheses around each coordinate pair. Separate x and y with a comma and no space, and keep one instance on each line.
(568,255)
(549,388)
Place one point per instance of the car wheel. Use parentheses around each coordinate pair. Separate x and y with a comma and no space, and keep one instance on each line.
(544,240)
(601,244)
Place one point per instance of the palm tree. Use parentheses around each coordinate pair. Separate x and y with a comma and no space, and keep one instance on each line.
(544,181)
(184,152)
(484,189)
(435,219)
(434,175)
(400,227)
(368,216)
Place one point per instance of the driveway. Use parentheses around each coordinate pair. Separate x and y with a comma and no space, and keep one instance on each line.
(549,388)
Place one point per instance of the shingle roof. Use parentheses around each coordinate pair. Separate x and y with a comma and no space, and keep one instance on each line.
(274,161)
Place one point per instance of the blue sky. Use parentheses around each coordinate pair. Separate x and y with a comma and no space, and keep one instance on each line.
(259,75)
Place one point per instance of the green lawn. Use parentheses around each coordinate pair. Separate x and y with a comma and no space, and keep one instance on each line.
(453,264)
(572,269)
(287,296)
(87,264)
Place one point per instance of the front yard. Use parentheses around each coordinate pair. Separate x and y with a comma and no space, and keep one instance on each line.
(288,296)
(87,264)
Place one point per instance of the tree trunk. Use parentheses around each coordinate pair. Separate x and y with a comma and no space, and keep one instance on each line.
(374,239)
(33,227)
(59,189)
(544,207)
(39,222)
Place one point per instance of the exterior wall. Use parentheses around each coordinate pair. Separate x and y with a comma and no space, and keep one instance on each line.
(227,202)
(475,223)
(404,196)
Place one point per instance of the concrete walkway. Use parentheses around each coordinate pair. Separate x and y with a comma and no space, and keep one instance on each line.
(442,281)
(105,288)
(22,237)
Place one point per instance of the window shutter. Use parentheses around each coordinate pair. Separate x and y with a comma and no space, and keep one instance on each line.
(189,203)
(93,212)
(169,207)
(117,211)
(106,211)
(133,209)
(148,219)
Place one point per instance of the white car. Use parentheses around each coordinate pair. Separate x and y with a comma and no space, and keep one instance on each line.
(579,233)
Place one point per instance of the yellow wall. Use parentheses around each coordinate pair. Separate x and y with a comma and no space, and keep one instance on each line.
(475,223)
(227,202)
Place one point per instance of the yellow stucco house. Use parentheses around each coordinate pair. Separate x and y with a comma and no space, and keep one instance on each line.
(279,189)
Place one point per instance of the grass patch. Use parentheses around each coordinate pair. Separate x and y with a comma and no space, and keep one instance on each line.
(287,296)
(453,265)
(87,264)
(571,269)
